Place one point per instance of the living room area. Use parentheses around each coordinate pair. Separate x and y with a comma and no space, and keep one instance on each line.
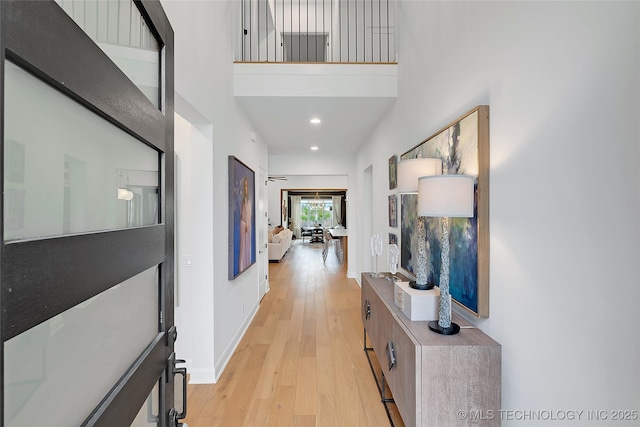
(306,210)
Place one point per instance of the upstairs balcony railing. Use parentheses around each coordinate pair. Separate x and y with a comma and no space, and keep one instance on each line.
(334,31)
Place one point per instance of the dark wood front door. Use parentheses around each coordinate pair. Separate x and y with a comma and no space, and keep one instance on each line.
(86,258)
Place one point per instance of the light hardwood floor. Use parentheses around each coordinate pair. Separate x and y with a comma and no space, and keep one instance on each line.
(301,362)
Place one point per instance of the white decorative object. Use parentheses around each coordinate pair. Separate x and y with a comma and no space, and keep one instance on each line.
(417,305)
(376,251)
(393,256)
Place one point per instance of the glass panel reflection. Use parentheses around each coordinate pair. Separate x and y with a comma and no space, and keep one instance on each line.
(44,386)
(122,33)
(65,167)
(148,414)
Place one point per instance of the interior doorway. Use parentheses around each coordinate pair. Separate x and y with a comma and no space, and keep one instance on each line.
(304,47)
(367,218)
(305,208)
(263,220)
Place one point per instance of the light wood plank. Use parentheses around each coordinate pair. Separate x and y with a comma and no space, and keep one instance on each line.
(295,327)
(306,388)
(259,412)
(328,415)
(348,405)
(304,421)
(244,391)
(282,407)
(289,364)
(266,381)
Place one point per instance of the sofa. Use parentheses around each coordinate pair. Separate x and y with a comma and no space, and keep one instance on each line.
(279,244)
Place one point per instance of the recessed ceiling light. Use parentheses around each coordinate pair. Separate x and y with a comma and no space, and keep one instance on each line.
(314,148)
(315,121)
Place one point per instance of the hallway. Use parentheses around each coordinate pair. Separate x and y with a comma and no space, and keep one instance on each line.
(301,362)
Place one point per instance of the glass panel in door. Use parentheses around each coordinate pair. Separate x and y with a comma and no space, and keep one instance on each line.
(67,170)
(47,385)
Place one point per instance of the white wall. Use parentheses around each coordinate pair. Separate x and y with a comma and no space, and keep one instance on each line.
(194,247)
(203,73)
(562,83)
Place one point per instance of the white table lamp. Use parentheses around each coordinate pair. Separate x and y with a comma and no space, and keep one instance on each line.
(409,171)
(445,196)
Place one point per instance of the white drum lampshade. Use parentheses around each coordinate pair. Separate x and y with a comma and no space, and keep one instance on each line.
(411,169)
(448,196)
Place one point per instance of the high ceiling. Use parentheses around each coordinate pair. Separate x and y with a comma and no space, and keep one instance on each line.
(284,122)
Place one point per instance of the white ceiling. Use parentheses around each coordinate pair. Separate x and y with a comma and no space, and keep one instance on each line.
(284,122)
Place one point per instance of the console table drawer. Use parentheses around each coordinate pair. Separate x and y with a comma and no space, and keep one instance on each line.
(402,377)
(379,326)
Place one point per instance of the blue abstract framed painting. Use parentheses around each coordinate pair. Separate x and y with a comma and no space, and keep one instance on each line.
(463,147)
(242,218)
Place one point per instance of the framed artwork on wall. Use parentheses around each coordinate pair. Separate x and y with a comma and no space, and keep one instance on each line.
(393,239)
(393,210)
(393,172)
(408,234)
(283,219)
(242,220)
(463,147)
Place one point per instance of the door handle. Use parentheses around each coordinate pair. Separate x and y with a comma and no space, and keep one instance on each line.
(391,355)
(182,371)
(174,415)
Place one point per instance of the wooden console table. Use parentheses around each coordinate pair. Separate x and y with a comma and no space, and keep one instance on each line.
(435,380)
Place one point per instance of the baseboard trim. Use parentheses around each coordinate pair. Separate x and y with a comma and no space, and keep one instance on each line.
(226,355)
(202,376)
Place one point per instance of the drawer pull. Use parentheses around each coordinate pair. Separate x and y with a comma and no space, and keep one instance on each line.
(367,309)
(391,355)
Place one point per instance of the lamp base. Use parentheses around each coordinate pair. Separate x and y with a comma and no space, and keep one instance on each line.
(451,330)
(424,287)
